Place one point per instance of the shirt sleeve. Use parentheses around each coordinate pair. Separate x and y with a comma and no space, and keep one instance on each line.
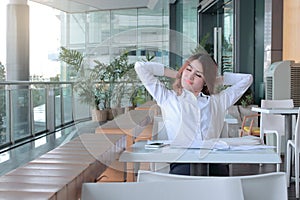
(148,72)
(239,83)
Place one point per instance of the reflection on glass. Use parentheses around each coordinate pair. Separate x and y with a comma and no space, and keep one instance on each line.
(68,109)
(99,27)
(77,28)
(4,157)
(227,54)
(57,93)
(57,134)
(20,113)
(216,25)
(123,27)
(39,109)
(3,122)
(39,142)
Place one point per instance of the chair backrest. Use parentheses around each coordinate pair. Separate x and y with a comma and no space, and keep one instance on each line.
(205,189)
(274,122)
(297,131)
(265,186)
(259,187)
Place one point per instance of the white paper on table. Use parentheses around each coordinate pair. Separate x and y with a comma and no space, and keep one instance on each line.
(236,143)
(250,147)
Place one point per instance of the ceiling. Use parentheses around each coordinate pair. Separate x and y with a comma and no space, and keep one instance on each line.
(79,6)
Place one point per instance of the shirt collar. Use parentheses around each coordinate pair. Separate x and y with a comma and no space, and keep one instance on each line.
(200,95)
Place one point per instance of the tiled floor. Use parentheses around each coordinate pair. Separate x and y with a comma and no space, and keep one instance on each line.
(27,152)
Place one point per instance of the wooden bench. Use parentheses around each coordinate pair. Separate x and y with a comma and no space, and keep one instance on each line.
(60,173)
(135,125)
(131,124)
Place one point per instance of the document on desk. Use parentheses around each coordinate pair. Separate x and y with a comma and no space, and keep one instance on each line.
(236,143)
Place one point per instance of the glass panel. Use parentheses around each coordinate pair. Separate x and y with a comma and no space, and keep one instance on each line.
(124,27)
(152,33)
(100,53)
(227,54)
(189,27)
(57,102)
(99,26)
(39,110)
(68,109)
(216,33)
(3,118)
(20,113)
(77,28)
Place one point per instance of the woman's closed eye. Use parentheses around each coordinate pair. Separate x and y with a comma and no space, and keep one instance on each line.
(188,68)
(198,74)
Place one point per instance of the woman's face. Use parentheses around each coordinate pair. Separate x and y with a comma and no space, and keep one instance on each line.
(192,77)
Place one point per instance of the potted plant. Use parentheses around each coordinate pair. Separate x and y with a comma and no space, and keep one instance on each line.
(90,92)
(101,86)
(119,75)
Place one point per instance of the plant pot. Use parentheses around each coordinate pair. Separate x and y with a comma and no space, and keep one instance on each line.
(129,108)
(110,115)
(99,115)
(117,111)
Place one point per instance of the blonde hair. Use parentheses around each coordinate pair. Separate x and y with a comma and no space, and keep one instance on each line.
(209,73)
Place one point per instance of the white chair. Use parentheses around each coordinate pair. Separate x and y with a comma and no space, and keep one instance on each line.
(295,145)
(206,189)
(271,186)
(274,124)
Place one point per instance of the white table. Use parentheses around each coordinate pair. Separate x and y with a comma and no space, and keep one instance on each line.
(287,113)
(137,153)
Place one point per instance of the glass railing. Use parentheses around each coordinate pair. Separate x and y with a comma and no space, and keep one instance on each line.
(32,109)
(29,109)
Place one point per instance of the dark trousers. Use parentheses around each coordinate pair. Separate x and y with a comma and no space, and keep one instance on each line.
(214,169)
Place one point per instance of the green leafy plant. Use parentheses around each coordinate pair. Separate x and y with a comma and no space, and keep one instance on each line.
(204,46)
(89,91)
(102,84)
(247,99)
(118,74)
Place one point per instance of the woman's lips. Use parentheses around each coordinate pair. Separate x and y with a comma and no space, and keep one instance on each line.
(188,82)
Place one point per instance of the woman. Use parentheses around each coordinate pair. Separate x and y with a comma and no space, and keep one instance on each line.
(192,112)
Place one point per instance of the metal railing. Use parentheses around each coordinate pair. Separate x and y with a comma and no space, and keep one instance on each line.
(29,109)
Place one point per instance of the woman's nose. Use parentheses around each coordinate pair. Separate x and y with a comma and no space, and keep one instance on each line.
(191,76)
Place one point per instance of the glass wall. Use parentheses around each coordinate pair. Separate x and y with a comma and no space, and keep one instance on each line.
(20,113)
(30,109)
(3,117)
(216,32)
(39,107)
(103,35)
(189,29)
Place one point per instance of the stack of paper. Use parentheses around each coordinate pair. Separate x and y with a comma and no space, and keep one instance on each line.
(236,143)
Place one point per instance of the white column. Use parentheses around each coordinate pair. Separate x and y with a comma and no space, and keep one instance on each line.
(17,40)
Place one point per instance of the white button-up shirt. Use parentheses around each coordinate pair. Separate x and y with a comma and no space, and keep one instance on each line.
(189,118)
